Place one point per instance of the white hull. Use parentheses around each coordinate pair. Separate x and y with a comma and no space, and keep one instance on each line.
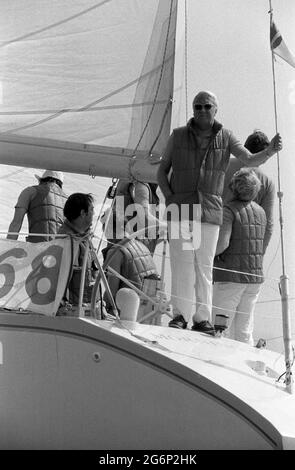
(69,383)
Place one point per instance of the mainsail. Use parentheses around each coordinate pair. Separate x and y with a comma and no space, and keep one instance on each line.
(86,86)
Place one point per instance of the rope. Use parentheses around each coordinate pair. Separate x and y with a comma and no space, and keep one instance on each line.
(207,266)
(193,303)
(110,194)
(186,60)
(279,193)
(284,279)
(274,257)
(51,235)
(86,236)
(114,273)
(168,106)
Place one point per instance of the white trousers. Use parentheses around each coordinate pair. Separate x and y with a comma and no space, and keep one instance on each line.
(238,301)
(191,260)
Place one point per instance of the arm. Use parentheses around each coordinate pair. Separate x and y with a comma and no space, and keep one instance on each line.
(146,218)
(165,166)
(249,159)
(113,280)
(16,222)
(21,208)
(267,203)
(225,231)
(142,198)
(141,195)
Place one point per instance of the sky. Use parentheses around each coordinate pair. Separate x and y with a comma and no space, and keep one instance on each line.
(228,53)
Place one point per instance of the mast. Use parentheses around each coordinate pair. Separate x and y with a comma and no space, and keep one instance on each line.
(284,279)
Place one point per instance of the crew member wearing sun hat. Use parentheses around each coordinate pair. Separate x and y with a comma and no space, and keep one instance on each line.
(43,204)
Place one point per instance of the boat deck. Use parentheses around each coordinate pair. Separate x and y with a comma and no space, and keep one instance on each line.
(238,377)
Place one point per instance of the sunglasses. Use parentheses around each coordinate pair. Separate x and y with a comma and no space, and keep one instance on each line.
(198,107)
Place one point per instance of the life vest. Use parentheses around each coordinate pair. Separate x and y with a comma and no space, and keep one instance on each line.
(138,262)
(125,189)
(245,251)
(207,189)
(72,294)
(90,273)
(45,214)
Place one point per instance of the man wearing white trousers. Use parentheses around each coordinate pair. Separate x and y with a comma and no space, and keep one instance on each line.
(191,178)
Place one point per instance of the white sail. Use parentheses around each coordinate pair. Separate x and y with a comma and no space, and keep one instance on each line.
(86,73)
(86,86)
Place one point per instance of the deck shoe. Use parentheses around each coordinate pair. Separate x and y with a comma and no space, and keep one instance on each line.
(204,327)
(178,322)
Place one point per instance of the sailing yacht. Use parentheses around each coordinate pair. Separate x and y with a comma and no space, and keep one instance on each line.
(89,89)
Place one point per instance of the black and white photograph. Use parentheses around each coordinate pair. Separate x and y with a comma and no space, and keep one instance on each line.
(147,271)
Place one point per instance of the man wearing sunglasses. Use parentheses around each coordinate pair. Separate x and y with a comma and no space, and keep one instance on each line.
(191,178)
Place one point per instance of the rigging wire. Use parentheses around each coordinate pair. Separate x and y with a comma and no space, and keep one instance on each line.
(224,269)
(220,308)
(284,286)
(279,193)
(179,297)
(274,257)
(172,295)
(186,58)
(167,108)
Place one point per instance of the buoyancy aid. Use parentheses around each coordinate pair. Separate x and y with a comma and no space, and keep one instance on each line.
(45,214)
(207,189)
(138,262)
(245,251)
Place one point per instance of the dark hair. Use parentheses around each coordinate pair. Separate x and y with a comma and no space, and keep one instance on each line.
(256,142)
(76,203)
(153,188)
(49,179)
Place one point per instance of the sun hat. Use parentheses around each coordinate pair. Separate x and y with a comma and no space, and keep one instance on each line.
(58,175)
